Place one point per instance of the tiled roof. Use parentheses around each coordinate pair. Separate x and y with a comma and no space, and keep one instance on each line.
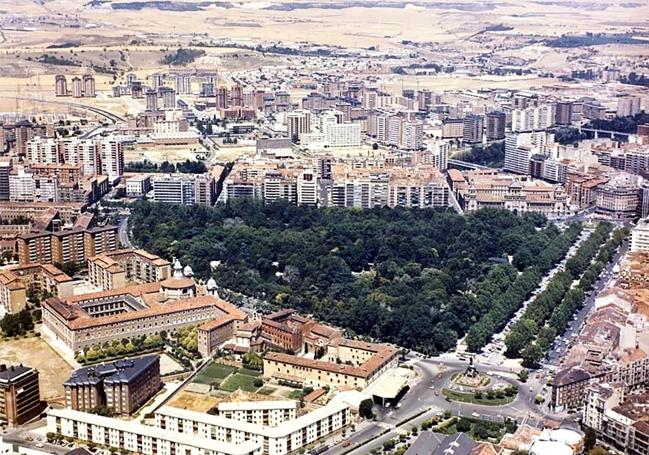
(367,369)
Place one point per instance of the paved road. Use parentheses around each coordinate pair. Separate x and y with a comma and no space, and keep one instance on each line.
(21,436)
(497,344)
(424,399)
(123,233)
(561,346)
(422,402)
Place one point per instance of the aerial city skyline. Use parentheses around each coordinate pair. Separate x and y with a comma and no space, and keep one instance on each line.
(324,227)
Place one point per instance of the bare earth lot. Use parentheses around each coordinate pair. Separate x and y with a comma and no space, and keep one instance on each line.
(34,352)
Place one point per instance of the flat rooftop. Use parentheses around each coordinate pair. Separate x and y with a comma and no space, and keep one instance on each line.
(209,445)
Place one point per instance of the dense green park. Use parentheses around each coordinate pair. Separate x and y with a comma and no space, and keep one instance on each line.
(420,278)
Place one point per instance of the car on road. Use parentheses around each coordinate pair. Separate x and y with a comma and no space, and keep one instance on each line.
(475,414)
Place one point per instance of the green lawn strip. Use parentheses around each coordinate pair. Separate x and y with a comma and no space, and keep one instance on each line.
(295,394)
(470,398)
(239,381)
(214,371)
(249,372)
(266,390)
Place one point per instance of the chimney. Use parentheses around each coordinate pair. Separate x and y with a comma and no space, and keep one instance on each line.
(3,367)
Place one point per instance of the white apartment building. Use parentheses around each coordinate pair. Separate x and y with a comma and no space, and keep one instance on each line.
(77,87)
(313,140)
(381,189)
(111,153)
(640,236)
(173,189)
(330,131)
(600,397)
(138,185)
(419,195)
(234,189)
(553,171)
(183,84)
(356,192)
(403,132)
(342,134)
(370,99)
(288,436)
(43,150)
(520,147)
(164,127)
(25,187)
(278,186)
(393,133)
(268,413)
(441,151)
(103,156)
(533,118)
(298,122)
(137,438)
(412,135)
(307,188)
(82,151)
(185,189)
(22,186)
(629,105)
(382,127)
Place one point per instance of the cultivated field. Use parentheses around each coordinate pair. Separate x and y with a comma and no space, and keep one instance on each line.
(136,38)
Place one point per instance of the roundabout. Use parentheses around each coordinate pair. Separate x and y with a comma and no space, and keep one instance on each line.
(477,380)
(475,387)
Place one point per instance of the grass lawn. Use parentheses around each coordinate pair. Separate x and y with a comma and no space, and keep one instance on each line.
(214,371)
(266,390)
(239,381)
(249,372)
(470,398)
(295,394)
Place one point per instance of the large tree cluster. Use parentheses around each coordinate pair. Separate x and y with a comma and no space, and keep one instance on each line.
(420,278)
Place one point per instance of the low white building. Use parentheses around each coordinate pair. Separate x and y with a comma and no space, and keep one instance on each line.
(342,134)
(268,413)
(137,438)
(138,185)
(285,438)
(640,236)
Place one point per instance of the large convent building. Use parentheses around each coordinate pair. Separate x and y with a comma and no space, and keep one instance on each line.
(140,309)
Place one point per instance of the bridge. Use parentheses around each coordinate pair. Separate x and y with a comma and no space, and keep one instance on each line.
(112,117)
(465,165)
(612,134)
(103,112)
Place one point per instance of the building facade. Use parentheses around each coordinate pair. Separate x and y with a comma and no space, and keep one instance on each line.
(116,269)
(122,386)
(19,394)
(138,438)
